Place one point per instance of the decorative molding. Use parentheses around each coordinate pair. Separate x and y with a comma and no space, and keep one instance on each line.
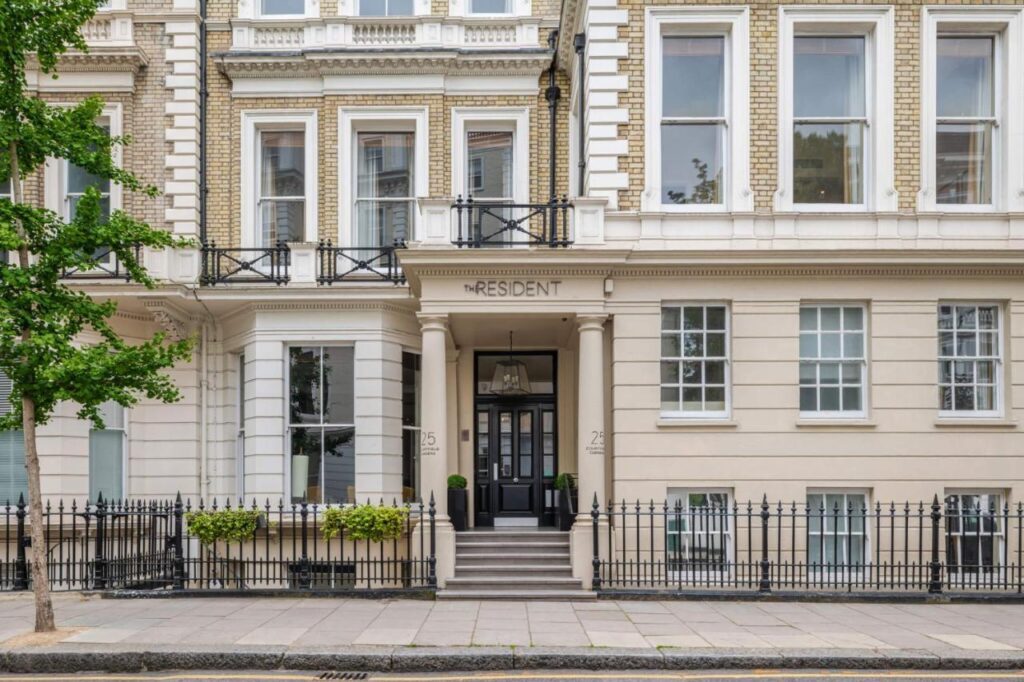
(530,62)
(182,126)
(98,59)
(170,318)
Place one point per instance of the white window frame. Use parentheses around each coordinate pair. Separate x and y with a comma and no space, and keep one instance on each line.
(253,9)
(517,9)
(734,24)
(730,533)
(876,25)
(56,170)
(252,123)
(1000,364)
(350,8)
(825,571)
(516,120)
(353,120)
(1000,538)
(682,414)
(124,429)
(865,361)
(1006,25)
(287,455)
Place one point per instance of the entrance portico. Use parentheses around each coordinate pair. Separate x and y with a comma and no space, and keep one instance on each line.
(510,447)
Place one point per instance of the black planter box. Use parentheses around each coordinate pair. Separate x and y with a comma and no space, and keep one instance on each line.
(457,505)
(567,501)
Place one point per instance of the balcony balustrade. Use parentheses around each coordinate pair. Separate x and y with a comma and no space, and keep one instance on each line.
(489,224)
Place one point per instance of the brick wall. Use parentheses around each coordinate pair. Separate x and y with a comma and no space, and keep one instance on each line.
(764,18)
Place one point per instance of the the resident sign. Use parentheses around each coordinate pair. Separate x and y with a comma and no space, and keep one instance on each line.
(513,288)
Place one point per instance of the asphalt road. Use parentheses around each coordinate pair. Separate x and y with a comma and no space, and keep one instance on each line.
(542,676)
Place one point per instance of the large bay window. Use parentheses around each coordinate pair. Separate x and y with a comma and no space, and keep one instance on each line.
(278,8)
(13,476)
(107,454)
(970,359)
(279,178)
(385,8)
(972,109)
(697,74)
(835,110)
(321,423)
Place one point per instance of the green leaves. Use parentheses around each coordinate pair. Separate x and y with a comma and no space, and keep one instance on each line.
(457,482)
(228,525)
(57,343)
(364,522)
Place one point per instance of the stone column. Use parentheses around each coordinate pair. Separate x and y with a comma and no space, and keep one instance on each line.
(434,437)
(590,431)
(590,442)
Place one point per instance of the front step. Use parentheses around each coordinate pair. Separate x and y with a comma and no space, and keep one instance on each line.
(512,595)
(513,564)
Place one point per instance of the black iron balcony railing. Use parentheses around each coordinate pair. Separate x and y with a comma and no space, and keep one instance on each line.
(104,265)
(338,264)
(232,264)
(489,223)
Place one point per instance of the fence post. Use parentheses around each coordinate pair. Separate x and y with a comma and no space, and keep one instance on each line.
(178,569)
(432,561)
(595,517)
(21,564)
(765,585)
(305,579)
(99,564)
(935,582)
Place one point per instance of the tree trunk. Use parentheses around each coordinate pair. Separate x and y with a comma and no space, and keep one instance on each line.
(40,580)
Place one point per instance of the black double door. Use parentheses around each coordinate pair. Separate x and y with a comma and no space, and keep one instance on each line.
(515,461)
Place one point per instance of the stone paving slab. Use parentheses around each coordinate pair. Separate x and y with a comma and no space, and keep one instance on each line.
(358,634)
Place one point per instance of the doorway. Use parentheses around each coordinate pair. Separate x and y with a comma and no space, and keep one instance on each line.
(515,443)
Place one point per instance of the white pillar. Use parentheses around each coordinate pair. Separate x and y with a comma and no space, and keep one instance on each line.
(590,433)
(590,442)
(434,437)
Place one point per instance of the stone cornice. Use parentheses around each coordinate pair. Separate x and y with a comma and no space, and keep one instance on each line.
(104,59)
(312,63)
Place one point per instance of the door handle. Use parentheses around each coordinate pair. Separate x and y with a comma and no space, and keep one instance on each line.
(515,479)
(495,471)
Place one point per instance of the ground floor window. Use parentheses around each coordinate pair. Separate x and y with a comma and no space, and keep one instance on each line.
(974,533)
(698,530)
(13,477)
(837,538)
(321,423)
(106,454)
(411,387)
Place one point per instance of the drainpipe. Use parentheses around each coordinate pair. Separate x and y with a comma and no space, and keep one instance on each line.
(204,383)
(553,94)
(579,43)
(202,121)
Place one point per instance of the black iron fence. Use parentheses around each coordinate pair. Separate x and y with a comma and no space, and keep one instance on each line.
(338,264)
(495,223)
(104,265)
(251,265)
(136,545)
(815,547)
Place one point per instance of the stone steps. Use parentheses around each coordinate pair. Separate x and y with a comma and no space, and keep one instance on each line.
(513,564)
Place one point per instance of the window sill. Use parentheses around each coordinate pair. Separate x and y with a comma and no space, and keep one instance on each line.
(835,423)
(698,423)
(975,422)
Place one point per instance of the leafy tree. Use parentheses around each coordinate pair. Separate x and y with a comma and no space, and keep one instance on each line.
(42,319)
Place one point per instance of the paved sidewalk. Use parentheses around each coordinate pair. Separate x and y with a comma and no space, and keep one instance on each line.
(638,633)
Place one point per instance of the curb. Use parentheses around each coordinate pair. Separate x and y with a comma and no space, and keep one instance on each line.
(123,659)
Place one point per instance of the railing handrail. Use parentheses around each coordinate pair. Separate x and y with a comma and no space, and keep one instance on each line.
(114,270)
(359,262)
(554,229)
(221,265)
